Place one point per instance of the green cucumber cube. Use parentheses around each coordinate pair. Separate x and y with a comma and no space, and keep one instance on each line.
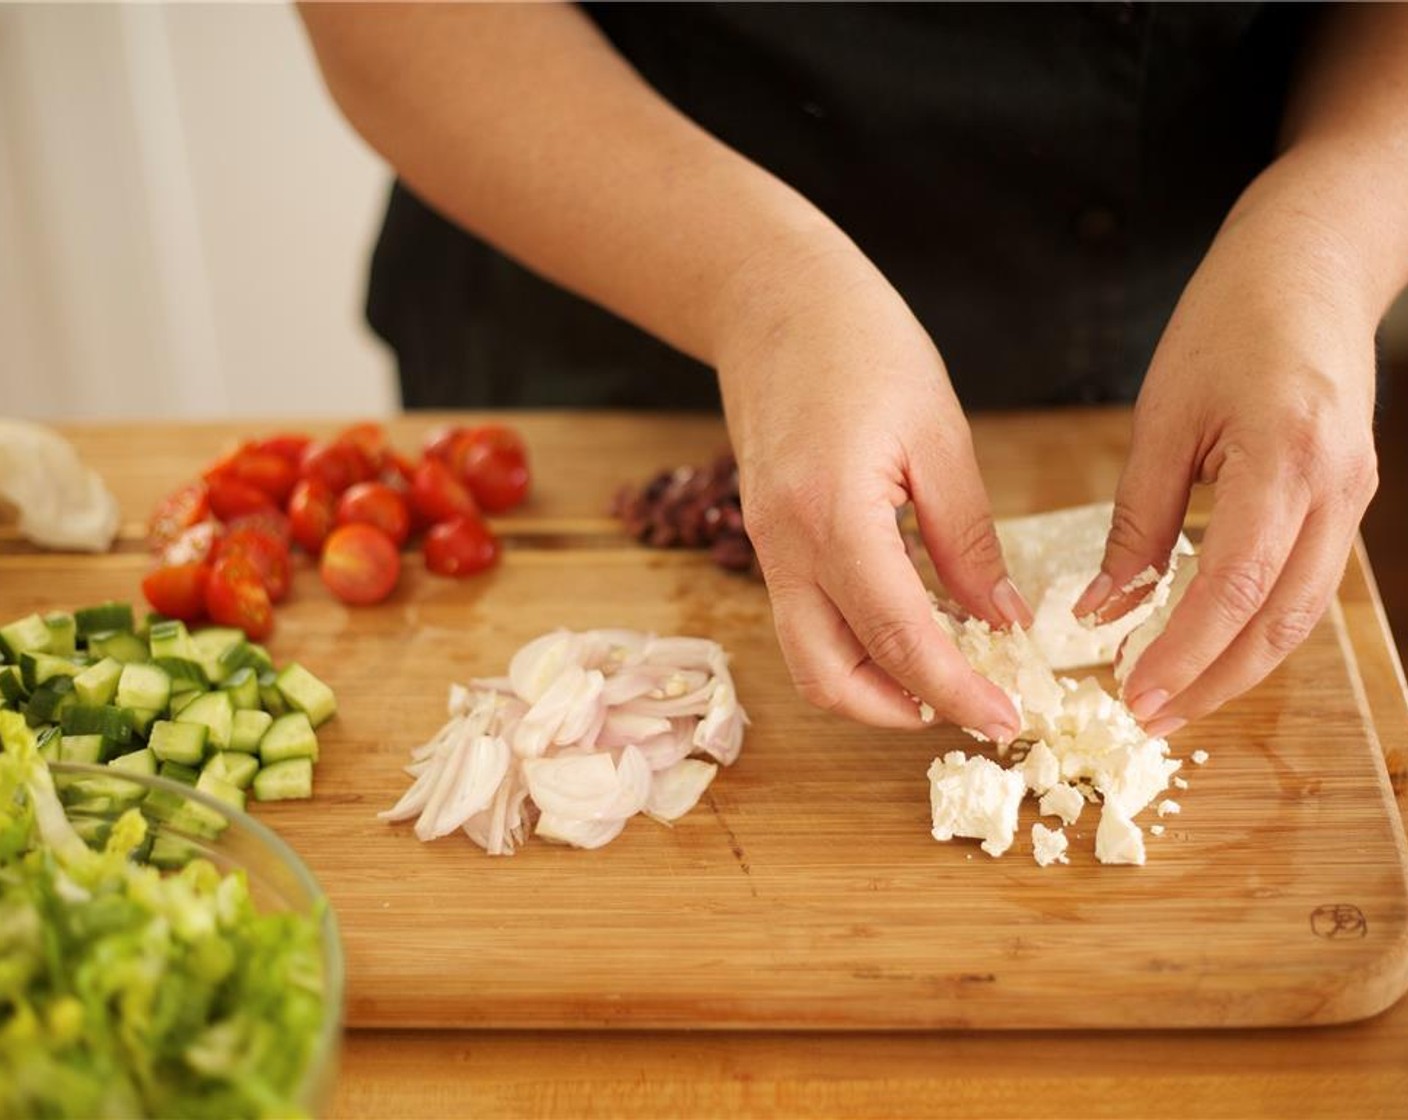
(215,786)
(37,668)
(24,634)
(12,685)
(171,853)
(269,694)
(103,618)
(97,684)
(143,686)
(179,742)
(233,767)
(121,645)
(249,727)
(143,719)
(243,687)
(211,644)
(63,633)
(98,719)
(289,736)
(135,762)
(216,712)
(283,781)
(49,702)
(184,673)
(180,701)
(178,772)
(306,693)
(82,748)
(171,639)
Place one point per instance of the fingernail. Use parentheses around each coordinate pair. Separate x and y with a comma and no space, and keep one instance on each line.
(1095,596)
(1147,704)
(1163,728)
(999,733)
(1008,602)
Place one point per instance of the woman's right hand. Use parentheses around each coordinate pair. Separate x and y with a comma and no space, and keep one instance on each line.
(841,411)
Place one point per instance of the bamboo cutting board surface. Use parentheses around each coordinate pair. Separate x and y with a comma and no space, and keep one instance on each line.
(806,890)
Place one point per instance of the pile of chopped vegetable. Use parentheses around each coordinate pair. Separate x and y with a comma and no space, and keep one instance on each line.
(128,992)
(207,708)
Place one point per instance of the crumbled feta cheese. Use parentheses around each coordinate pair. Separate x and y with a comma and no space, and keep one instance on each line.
(1041,769)
(1062,801)
(1180,783)
(1199,757)
(1118,839)
(926,712)
(1164,599)
(1168,807)
(1048,845)
(1156,830)
(975,797)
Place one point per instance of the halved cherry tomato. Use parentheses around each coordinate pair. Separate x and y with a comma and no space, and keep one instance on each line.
(375,503)
(460,547)
(438,443)
(178,511)
(231,498)
(360,564)
(312,513)
(336,465)
(287,445)
(266,471)
(223,467)
(397,471)
(368,437)
(272,521)
(493,462)
(178,591)
(194,546)
(438,495)
(266,552)
(235,596)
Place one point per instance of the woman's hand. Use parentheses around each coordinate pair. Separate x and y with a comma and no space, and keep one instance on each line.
(1262,386)
(841,411)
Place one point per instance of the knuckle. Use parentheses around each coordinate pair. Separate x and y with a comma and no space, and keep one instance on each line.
(1286,631)
(892,643)
(1127,532)
(1239,589)
(976,545)
(1360,478)
(819,692)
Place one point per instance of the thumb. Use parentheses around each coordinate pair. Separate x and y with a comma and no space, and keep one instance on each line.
(1150,501)
(955,521)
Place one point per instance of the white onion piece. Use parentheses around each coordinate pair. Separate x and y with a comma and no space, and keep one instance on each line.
(541,722)
(663,751)
(694,703)
(589,787)
(539,664)
(681,653)
(720,732)
(578,833)
(629,683)
(676,791)
(622,727)
(472,788)
(585,710)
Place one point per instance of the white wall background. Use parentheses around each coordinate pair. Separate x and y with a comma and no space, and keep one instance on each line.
(185,219)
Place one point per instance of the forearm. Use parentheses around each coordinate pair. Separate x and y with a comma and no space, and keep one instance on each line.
(523,125)
(1339,190)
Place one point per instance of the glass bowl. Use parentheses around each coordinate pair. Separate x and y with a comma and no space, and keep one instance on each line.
(184,823)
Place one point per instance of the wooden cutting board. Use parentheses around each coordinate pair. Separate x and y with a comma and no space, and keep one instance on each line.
(807,891)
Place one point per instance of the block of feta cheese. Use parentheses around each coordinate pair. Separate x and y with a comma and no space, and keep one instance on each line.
(977,798)
(1118,839)
(1052,557)
(1142,637)
(1062,800)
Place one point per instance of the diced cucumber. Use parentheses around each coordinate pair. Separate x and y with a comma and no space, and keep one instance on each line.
(284,781)
(215,786)
(103,618)
(171,853)
(178,742)
(233,767)
(269,694)
(49,748)
(25,634)
(210,644)
(196,819)
(243,687)
(307,693)
(178,772)
(249,727)
(162,804)
(12,685)
(93,719)
(172,639)
(81,748)
(185,674)
(143,686)
(143,719)
(290,736)
(97,684)
(36,668)
(121,645)
(106,793)
(49,702)
(93,831)
(216,712)
(135,762)
(180,701)
(251,654)
(63,633)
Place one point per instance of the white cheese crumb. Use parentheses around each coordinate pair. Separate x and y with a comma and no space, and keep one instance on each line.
(1199,757)
(1062,801)
(1148,576)
(1168,807)
(975,797)
(1041,769)
(1048,845)
(926,712)
(1156,830)
(1164,599)
(1180,783)
(1118,839)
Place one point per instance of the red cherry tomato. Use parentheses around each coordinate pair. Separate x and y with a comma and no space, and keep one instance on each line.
(194,546)
(493,463)
(397,471)
(231,498)
(360,564)
(271,521)
(178,590)
(267,554)
(178,511)
(336,465)
(235,596)
(370,439)
(312,513)
(438,495)
(288,446)
(460,547)
(375,503)
(438,443)
(224,467)
(266,471)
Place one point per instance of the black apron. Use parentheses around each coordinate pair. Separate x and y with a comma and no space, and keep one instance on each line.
(1037,181)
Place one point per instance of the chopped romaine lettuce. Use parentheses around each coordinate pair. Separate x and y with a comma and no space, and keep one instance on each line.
(128,992)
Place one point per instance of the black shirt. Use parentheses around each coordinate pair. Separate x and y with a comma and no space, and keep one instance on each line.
(1037,181)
